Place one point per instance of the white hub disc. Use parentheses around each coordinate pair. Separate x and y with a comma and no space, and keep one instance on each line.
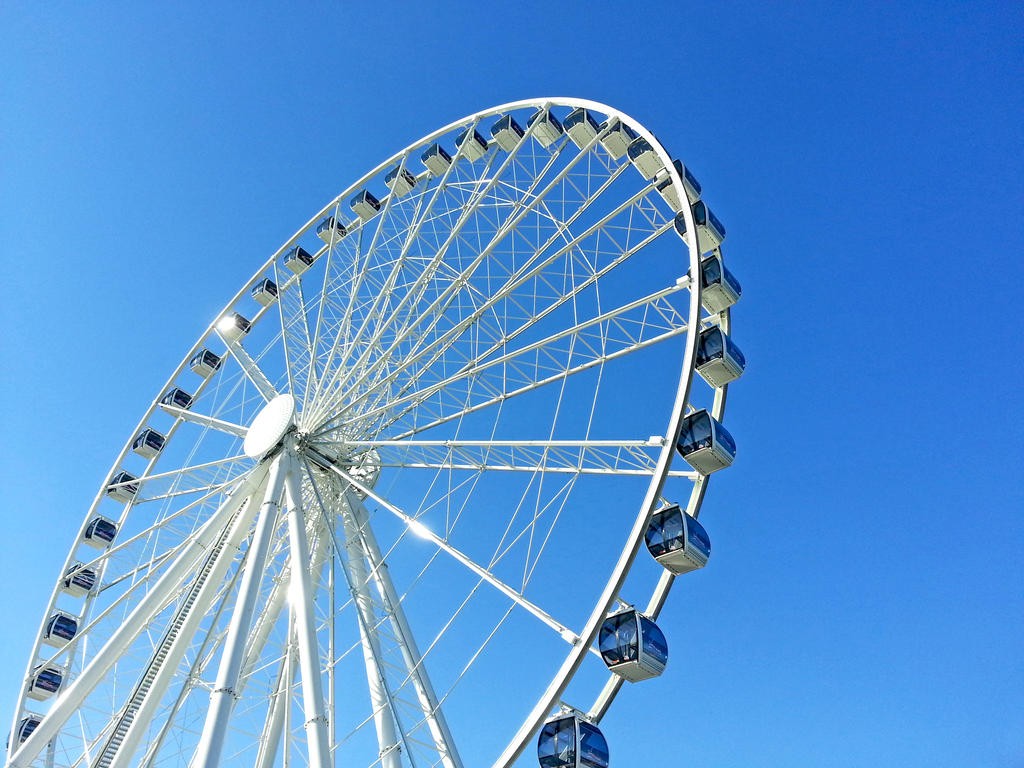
(269,426)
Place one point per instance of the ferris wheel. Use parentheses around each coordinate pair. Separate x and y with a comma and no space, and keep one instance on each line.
(387,510)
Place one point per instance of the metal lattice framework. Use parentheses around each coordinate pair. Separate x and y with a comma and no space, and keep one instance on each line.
(470,397)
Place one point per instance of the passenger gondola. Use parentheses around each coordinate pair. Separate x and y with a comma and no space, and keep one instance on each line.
(642,155)
(632,646)
(100,532)
(719,288)
(472,144)
(365,205)
(719,360)
(668,191)
(710,231)
(148,443)
(569,741)
(78,580)
(507,133)
(330,230)
(233,326)
(581,126)
(705,444)
(265,292)
(178,398)
(546,128)
(616,137)
(298,259)
(122,487)
(45,682)
(677,541)
(437,159)
(204,363)
(60,629)
(26,726)
(400,181)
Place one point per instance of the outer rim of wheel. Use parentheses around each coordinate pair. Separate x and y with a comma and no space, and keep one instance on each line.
(548,700)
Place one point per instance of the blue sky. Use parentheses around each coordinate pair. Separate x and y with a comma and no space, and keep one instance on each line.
(864,604)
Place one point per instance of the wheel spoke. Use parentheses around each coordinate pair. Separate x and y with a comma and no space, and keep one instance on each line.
(596,457)
(206,421)
(411,299)
(250,368)
(422,531)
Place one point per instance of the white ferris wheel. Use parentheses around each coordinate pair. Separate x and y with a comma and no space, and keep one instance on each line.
(387,510)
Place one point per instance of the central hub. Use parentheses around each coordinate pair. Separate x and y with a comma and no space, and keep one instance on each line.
(269,427)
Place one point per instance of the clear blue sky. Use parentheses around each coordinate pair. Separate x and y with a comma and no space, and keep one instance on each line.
(865,603)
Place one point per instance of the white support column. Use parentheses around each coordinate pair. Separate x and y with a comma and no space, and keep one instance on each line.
(70,699)
(301,596)
(172,650)
(222,699)
(429,703)
(270,741)
(384,715)
(281,700)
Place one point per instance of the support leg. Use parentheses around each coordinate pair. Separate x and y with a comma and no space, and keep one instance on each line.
(222,700)
(301,596)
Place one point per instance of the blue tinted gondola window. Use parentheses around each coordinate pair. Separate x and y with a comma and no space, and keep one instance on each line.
(593,747)
(101,529)
(618,640)
(665,532)
(692,179)
(48,679)
(710,272)
(716,224)
(437,150)
(699,537)
(178,398)
(62,626)
(655,644)
(723,437)
(265,286)
(734,352)
(397,172)
(556,747)
(733,282)
(700,213)
(205,357)
(696,433)
(711,346)
(474,137)
(330,224)
(26,727)
(84,578)
(581,115)
(638,147)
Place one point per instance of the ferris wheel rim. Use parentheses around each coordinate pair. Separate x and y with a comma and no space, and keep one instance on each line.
(566,672)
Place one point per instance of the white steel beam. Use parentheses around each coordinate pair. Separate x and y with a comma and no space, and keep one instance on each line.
(429,703)
(280,700)
(250,368)
(222,699)
(384,713)
(206,421)
(301,597)
(423,532)
(148,694)
(70,699)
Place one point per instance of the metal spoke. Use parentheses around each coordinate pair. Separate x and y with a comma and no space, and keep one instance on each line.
(250,368)
(423,532)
